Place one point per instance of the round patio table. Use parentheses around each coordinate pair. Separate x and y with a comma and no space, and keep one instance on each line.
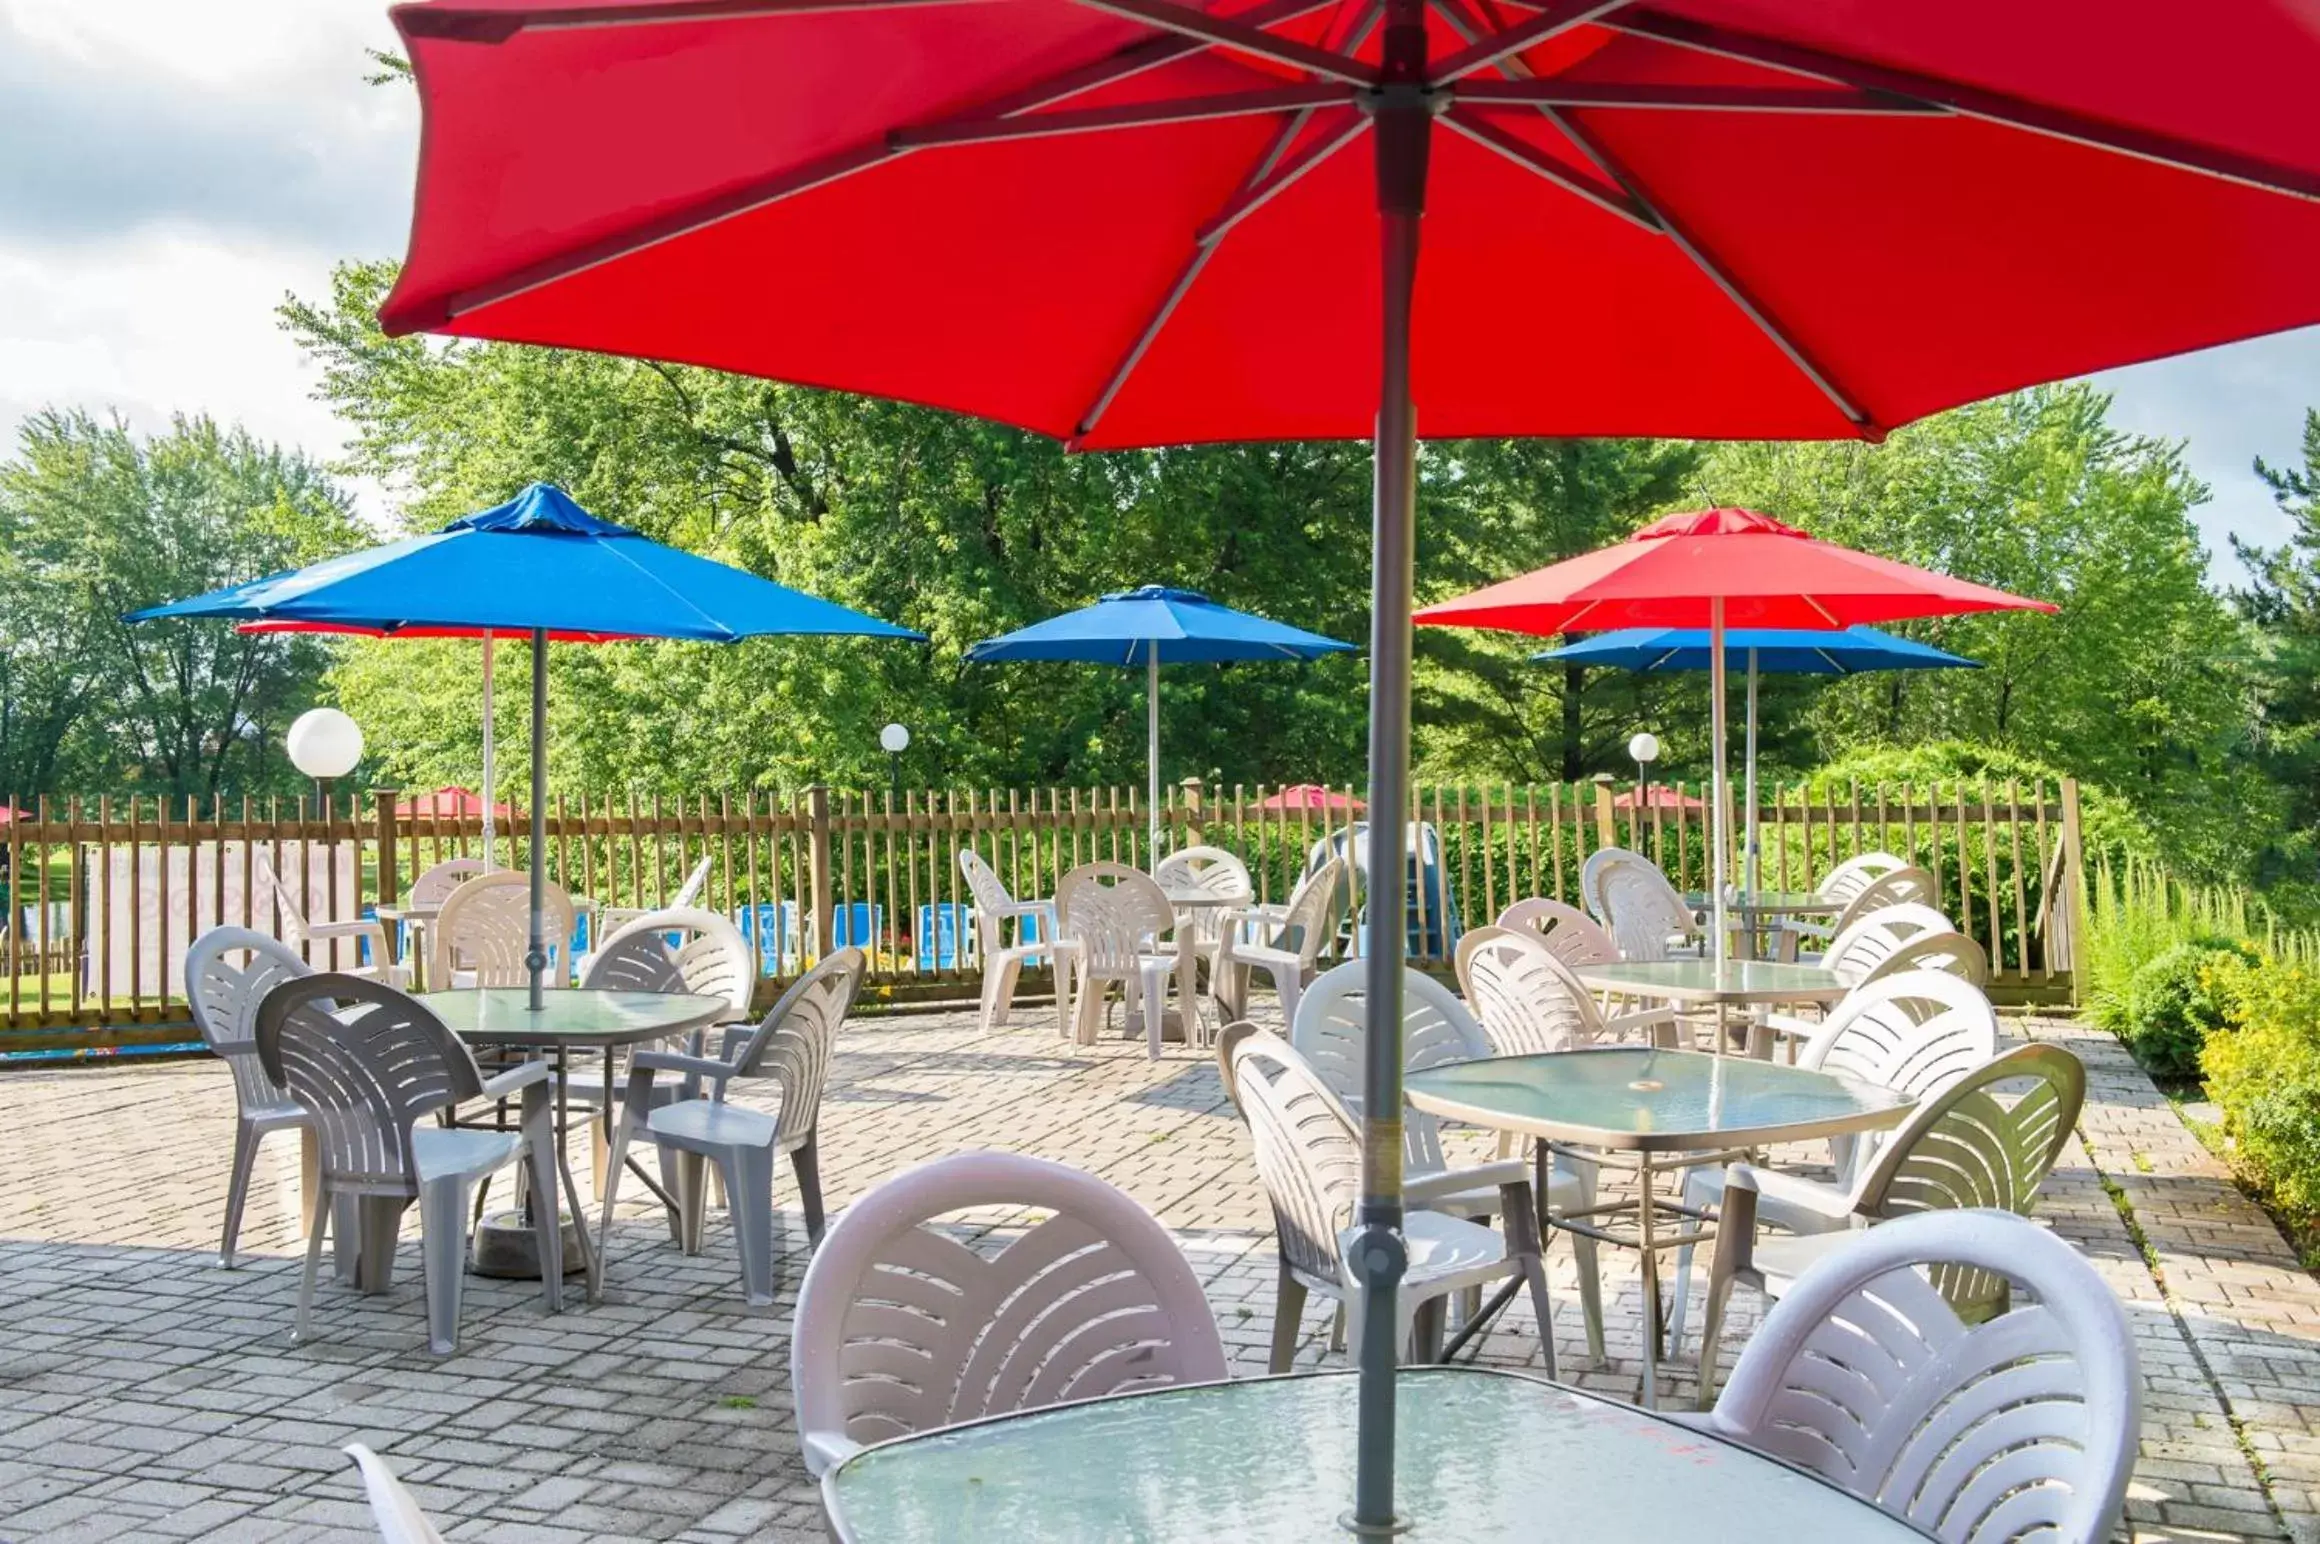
(571,1021)
(1632,1107)
(1758,910)
(1480,1454)
(1704,983)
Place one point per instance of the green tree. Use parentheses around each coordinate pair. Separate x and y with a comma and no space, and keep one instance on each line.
(95,523)
(2282,601)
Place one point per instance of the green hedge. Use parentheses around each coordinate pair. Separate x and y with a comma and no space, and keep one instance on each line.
(2173,1001)
(2263,1072)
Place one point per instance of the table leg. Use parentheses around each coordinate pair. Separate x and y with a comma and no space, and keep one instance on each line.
(1653,1318)
(1188,982)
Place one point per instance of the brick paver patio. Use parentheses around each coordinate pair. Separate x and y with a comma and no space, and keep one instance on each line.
(146,1393)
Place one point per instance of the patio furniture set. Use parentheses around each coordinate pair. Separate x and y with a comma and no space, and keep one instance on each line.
(1557,1039)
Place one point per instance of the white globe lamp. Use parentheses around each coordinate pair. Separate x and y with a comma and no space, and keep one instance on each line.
(894,739)
(324,743)
(1644,748)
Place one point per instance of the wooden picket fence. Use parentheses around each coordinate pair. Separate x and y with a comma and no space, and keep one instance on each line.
(103,894)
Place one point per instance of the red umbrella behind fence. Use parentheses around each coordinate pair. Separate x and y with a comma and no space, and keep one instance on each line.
(1308,796)
(1714,568)
(1139,222)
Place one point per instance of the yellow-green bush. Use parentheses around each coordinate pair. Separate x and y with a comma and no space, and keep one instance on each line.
(2263,1071)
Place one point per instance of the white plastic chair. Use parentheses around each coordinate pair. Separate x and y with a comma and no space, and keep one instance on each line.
(792,1045)
(2025,1426)
(1309,1158)
(1114,917)
(483,933)
(1212,871)
(1576,938)
(903,1328)
(1904,936)
(1917,1032)
(371,1066)
(224,1001)
(301,934)
(1003,961)
(1964,1147)
(1856,874)
(1905,884)
(1528,1002)
(434,887)
(1331,1032)
(1642,912)
(393,1508)
(1285,942)
(612,919)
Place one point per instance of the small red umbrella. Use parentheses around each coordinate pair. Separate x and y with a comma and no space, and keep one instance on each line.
(1661,797)
(1712,568)
(450,802)
(1308,796)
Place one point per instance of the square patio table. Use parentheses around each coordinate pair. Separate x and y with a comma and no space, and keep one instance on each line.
(1645,1104)
(1480,1454)
(1704,983)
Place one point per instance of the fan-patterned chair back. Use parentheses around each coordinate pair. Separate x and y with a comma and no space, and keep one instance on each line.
(1856,874)
(1331,1033)
(434,887)
(368,1063)
(793,1043)
(901,1327)
(1308,1150)
(1972,1146)
(1641,911)
(485,928)
(1525,999)
(710,958)
(1905,936)
(2023,1427)
(1575,938)
(1213,871)
(1918,1031)
(1316,909)
(1908,885)
(1116,914)
(224,997)
(992,902)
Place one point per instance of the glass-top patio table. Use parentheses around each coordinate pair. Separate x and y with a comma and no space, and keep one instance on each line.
(1759,911)
(1479,1455)
(571,1021)
(1705,983)
(1644,1104)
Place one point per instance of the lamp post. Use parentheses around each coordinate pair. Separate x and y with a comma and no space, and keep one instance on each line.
(895,739)
(1644,747)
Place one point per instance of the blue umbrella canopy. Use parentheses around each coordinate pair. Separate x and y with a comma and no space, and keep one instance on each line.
(1762,650)
(1777,651)
(538,564)
(1137,627)
(1152,626)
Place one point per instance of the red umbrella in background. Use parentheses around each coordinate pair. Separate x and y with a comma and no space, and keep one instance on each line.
(1141,222)
(1661,797)
(450,802)
(1308,796)
(1714,568)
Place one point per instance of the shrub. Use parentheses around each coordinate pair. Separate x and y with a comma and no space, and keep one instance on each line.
(2173,1001)
(2263,1071)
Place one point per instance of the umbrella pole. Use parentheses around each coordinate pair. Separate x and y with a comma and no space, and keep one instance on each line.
(1152,745)
(1403,130)
(1716,731)
(1748,872)
(536,957)
(490,770)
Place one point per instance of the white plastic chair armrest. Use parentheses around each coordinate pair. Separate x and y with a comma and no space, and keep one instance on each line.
(825,1450)
(1805,1195)
(1641,1018)
(1790,1024)
(677,1061)
(1450,1182)
(516,1078)
(362,927)
(1808,929)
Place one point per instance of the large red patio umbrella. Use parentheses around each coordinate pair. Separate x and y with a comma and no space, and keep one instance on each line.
(1141,222)
(1714,568)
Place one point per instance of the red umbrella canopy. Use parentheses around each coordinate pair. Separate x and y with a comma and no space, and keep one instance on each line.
(450,802)
(1136,222)
(1308,796)
(1767,574)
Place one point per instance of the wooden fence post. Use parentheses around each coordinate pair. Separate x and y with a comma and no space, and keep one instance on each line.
(1606,834)
(1194,835)
(383,805)
(818,870)
(2073,910)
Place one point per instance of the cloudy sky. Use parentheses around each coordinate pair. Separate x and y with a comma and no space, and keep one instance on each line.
(169,169)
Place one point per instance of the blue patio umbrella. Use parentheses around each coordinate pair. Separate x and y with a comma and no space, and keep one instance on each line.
(1775,651)
(538,564)
(1151,626)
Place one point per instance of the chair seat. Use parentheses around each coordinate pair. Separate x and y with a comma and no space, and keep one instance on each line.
(1705,1187)
(1444,1249)
(709,1123)
(1784,1257)
(447,1152)
(1565,1192)
(1267,955)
